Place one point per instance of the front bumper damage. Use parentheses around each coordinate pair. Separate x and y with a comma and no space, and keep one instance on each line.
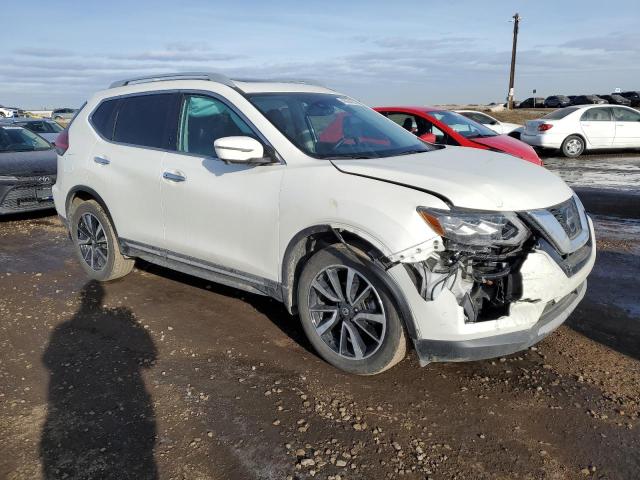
(551,287)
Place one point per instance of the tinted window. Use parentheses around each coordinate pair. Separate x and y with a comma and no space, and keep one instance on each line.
(596,115)
(626,115)
(563,112)
(102,119)
(142,120)
(204,120)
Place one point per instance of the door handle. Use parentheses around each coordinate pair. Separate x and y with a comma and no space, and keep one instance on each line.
(174,176)
(101,160)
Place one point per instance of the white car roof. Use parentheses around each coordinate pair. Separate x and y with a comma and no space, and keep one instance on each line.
(200,80)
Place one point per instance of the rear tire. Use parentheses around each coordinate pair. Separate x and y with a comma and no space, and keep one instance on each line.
(573,146)
(96,244)
(360,332)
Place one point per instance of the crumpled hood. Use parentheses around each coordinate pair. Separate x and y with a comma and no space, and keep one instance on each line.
(468,178)
(28,163)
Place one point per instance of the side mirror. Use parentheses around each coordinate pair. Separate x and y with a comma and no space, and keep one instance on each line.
(428,137)
(240,150)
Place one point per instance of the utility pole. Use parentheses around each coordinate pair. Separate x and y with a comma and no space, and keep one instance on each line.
(516,24)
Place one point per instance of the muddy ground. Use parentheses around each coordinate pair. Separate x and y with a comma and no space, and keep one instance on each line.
(160,375)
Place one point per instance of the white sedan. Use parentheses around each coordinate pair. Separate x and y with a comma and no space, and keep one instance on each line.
(501,128)
(573,130)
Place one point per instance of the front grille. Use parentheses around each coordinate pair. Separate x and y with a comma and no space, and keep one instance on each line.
(29,193)
(568,217)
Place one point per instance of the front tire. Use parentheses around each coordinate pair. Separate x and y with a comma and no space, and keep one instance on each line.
(573,146)
(348,312)
(96,244)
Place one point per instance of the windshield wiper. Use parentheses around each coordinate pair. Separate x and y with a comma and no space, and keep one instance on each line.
(410,152)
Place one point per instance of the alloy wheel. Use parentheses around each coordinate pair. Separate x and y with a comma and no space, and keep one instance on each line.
(574,146)
(92,241)
(347,312)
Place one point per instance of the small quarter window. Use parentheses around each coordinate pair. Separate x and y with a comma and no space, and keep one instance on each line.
(102,119)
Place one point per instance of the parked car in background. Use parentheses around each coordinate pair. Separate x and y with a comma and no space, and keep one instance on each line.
(47,129)
(616,99)
(557,101)
(63,114)
(574,130)
(532,102)
(27,170)
(445,127)
(633,97)
(369,234)
(501,128)
(8,112)
(588,100)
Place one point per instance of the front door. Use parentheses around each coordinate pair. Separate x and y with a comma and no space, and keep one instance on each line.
(627,127)
(223,214)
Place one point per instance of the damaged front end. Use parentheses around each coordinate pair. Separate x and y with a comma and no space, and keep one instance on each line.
(494,283)
(479,261)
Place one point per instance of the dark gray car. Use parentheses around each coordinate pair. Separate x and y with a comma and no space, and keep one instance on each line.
(27,171)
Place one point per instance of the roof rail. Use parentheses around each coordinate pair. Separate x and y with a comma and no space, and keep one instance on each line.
(213,77)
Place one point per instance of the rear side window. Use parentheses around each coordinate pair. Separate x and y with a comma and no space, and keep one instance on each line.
(142,120)
(103,118)
(596,115)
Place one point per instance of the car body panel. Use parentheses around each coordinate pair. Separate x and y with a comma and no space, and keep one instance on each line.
(433,172)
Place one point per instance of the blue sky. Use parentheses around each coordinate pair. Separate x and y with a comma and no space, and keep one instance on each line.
(56,53)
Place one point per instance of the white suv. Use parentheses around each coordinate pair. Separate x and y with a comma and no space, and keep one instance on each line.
(303,194)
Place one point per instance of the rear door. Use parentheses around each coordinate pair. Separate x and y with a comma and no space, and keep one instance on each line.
(598,126)
(125,168)
(627,127)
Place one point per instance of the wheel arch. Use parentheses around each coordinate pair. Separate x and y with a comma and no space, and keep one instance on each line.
(312,239)
(84,193)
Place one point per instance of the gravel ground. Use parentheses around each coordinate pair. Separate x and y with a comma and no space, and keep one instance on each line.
(160,375)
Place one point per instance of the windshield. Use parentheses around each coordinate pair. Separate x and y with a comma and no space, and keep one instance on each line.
(461,124)
(18,139)
(333,126)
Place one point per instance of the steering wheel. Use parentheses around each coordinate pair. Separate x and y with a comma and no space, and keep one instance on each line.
(343,139)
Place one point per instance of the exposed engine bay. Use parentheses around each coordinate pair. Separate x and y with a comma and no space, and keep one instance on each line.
(485,281)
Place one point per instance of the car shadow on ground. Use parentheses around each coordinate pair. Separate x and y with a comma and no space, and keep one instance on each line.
(100,419)
(272,309)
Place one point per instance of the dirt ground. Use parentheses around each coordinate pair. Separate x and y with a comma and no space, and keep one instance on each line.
(160,375)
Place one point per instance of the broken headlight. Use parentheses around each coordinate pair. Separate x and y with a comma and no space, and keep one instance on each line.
(476,228)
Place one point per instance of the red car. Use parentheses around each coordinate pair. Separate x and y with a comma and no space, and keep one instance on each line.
(434,125)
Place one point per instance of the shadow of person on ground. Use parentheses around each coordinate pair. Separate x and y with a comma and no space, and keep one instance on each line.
(100,422)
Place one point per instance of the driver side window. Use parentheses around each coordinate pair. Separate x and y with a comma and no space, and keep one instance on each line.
(203,121)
